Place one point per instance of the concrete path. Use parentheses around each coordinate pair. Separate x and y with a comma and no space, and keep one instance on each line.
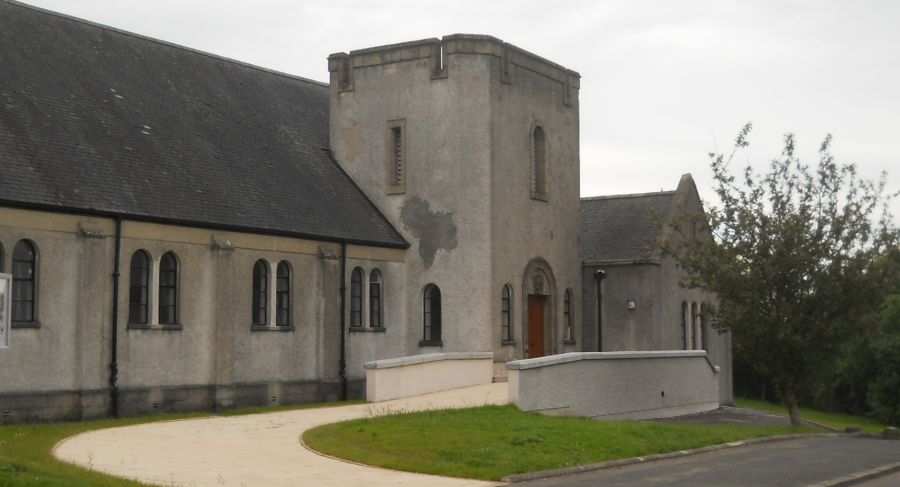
(256,449)
(799,462)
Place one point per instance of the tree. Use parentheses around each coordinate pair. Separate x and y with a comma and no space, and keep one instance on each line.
(789,261)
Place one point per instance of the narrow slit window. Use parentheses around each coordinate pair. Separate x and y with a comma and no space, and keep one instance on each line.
(538,164)
(139,288)
(168,289)
(695,345)
(283,294)
(431,315)
(567,316)
(396,156)
(24,268)
(356,280)
(506,314)
(397,140)
(260,292)
(375,300)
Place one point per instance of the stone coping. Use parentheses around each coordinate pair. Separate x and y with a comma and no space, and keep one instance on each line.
(532,363)
(425,358)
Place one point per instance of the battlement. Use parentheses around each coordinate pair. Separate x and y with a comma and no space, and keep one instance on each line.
(342,65)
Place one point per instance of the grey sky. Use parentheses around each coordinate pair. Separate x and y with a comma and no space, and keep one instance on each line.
(663,82)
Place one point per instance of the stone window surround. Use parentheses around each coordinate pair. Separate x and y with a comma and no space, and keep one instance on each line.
(153,295)
(390,156)
(538,179)
(35,321)
(364,325)
(272,296)
(428,316)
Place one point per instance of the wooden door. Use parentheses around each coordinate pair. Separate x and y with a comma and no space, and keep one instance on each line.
(535,325)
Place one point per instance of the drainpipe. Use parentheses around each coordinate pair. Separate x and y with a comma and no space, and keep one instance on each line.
(599,275)
(342,364)
(113,361)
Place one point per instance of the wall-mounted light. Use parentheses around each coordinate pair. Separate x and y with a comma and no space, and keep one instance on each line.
(631,305)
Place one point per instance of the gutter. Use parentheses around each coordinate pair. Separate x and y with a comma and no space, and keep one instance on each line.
(342,362)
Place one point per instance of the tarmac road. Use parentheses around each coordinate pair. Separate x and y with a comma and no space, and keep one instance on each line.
(798,462)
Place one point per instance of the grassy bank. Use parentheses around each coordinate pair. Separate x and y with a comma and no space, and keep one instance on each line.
(835,420)
(495,441)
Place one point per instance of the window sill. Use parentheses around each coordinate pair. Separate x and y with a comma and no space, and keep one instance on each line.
(539,197)
(431,343)
(272,328)
(367,329)
(25,324)
(570,342)
(507,343)
(162,327)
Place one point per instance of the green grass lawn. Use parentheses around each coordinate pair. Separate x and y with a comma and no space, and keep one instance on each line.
(25,458)
(835,420)
(492,442)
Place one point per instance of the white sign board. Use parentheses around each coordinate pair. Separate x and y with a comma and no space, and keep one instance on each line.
(5,308)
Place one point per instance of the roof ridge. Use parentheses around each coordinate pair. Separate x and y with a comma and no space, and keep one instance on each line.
(630,195)
(117,30)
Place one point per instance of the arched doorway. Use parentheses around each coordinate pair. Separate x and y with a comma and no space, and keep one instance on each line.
(539,289)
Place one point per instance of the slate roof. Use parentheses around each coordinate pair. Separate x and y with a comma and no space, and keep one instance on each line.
(97,120)
(622,227)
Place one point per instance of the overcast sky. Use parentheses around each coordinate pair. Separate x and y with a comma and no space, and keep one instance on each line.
(663,82)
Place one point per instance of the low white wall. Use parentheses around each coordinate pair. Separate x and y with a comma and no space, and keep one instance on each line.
(420,374)
(616,385)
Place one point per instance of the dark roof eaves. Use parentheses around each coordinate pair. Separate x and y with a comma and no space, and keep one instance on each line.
(197,224)
(166,43)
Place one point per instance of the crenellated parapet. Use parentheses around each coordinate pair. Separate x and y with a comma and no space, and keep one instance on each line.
(437,52)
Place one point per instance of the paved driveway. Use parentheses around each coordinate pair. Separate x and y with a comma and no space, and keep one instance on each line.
(772,464)
(257,449)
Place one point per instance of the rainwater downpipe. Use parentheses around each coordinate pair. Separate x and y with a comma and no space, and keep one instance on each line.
(599,275)
(342,364)
(113,360)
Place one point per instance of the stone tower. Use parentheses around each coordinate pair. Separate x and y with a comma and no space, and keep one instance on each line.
(470,146)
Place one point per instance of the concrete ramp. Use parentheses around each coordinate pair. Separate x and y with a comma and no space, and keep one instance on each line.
(422,374)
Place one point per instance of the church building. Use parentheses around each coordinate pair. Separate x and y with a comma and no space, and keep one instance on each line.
(186,231)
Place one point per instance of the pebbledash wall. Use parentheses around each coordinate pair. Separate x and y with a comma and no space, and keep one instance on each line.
(467,107)
(59,365)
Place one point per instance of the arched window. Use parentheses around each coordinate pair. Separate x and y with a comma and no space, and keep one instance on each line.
(684,328)
(356,280)
(283,294)
(168,289)
(139,289)
(567,316)
(260,293)
(375,299)
(506,314)
(431,316)
(24,270)
(704,310)
(538,164)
